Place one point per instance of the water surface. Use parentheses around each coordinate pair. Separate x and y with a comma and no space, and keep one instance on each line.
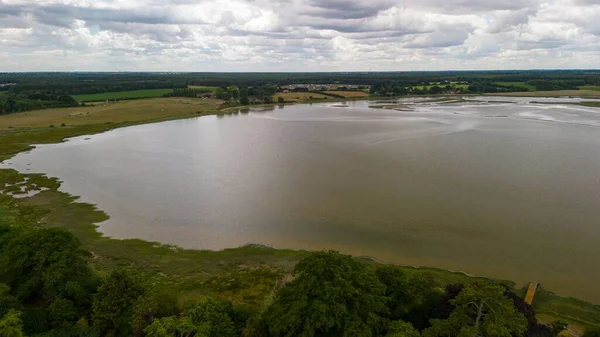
(493,186)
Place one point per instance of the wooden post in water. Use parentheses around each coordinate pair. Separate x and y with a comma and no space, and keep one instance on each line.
(531,292)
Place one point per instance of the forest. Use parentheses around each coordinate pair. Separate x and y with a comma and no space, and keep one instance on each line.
(48,288)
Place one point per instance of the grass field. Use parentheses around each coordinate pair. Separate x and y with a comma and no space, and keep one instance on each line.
(250,272)
(112,112)
(590,87)
(149,93)
(518,84)
(299,96)
(213,89)
(557,93)
(349,94)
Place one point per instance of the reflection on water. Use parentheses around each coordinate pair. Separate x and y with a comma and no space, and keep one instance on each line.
(497,186)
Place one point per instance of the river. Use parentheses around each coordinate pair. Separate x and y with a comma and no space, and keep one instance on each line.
(493,186)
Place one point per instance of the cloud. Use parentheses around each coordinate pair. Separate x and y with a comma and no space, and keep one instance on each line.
(297,35)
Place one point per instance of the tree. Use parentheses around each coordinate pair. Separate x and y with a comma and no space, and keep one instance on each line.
(112,309)
(397,289)
(280,99)
(45,263)
(174,326)
(7,301)
(215,316)
(11,324)
(234,92)
(61,313)
(155,304)
(435,90)
(481,310)
(210,318)
(332,294)
(411,299)
(402,329)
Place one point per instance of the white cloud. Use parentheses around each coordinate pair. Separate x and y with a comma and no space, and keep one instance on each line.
(298,35)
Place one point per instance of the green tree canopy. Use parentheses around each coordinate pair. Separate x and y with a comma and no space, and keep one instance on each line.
(402,329)
(45,263)
(481,309)
(7,301)
(209,318)
(112,309)
(332,294)
(175,326)
(11,324)
(155,304)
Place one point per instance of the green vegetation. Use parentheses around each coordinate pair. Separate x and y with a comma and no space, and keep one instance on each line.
(591,104)
(462,86)
(480,309)
(590,87)
(524,85)
(120,95)
(327,294)
(203,88)
(555,93)
(12,102)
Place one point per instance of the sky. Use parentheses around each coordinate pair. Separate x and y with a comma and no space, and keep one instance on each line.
(298,35)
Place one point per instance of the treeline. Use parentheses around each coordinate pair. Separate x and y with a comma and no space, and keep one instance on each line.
(549,85)
(247,95)
(401,89)
(47,288)
(233,94)
(476,87)
(88,83)
(11,102)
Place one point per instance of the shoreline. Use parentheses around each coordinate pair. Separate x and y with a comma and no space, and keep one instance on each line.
(110,252)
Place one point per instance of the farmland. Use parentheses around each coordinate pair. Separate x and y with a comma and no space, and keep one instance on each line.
(120,95)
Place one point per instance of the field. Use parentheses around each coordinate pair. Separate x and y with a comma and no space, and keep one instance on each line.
(518,84)
(112,112)
(149,93)
(299,96)
(348,94)
(252,271)
(557,93)
(590,87)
